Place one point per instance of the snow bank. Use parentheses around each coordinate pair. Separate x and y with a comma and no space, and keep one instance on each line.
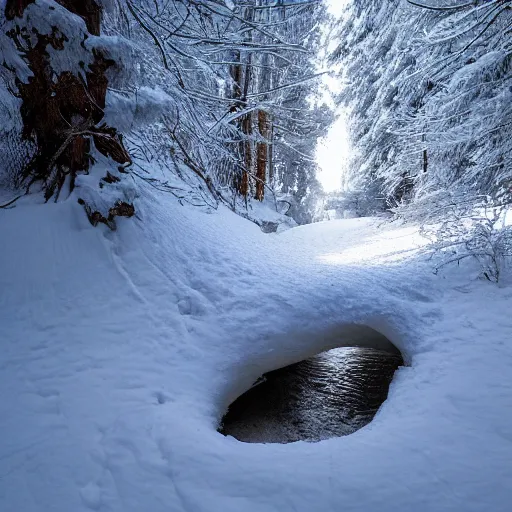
(121,350)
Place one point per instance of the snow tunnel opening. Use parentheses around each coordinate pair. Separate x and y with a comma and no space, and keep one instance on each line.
(315,391)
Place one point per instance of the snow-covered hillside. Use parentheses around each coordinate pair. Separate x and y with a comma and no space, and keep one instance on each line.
(121,351)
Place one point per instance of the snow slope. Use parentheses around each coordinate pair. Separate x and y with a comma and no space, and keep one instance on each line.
(121,351)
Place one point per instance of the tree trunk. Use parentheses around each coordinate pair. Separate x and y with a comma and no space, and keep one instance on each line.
(241,73)
(262,155)
(271,173)
(88,10)
(241,180)
(246,151)
(16,8)
(56,110)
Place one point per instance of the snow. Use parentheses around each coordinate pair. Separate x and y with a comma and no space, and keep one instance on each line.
(41,18)
(44,16)
(121,351)
(137,110)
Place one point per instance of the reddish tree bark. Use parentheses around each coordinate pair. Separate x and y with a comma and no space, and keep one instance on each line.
(262,155)
(88,10)
(16,8)
(61,114)
(241,181)
(246,151)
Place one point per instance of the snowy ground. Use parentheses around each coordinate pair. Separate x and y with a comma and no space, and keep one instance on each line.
(121,351)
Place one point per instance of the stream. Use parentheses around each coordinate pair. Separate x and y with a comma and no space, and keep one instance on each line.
(329,395)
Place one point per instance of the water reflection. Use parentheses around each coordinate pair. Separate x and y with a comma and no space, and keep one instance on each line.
(330,395)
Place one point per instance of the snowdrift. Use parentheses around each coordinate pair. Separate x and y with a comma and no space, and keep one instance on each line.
(121,351)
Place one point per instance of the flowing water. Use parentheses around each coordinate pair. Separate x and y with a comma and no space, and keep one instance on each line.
(331,394)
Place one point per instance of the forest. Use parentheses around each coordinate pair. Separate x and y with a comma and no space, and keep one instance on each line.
(255,255)
(221,99)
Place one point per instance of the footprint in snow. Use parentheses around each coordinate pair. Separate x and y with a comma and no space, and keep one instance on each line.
(190,306)
(161,397)
(91,496)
